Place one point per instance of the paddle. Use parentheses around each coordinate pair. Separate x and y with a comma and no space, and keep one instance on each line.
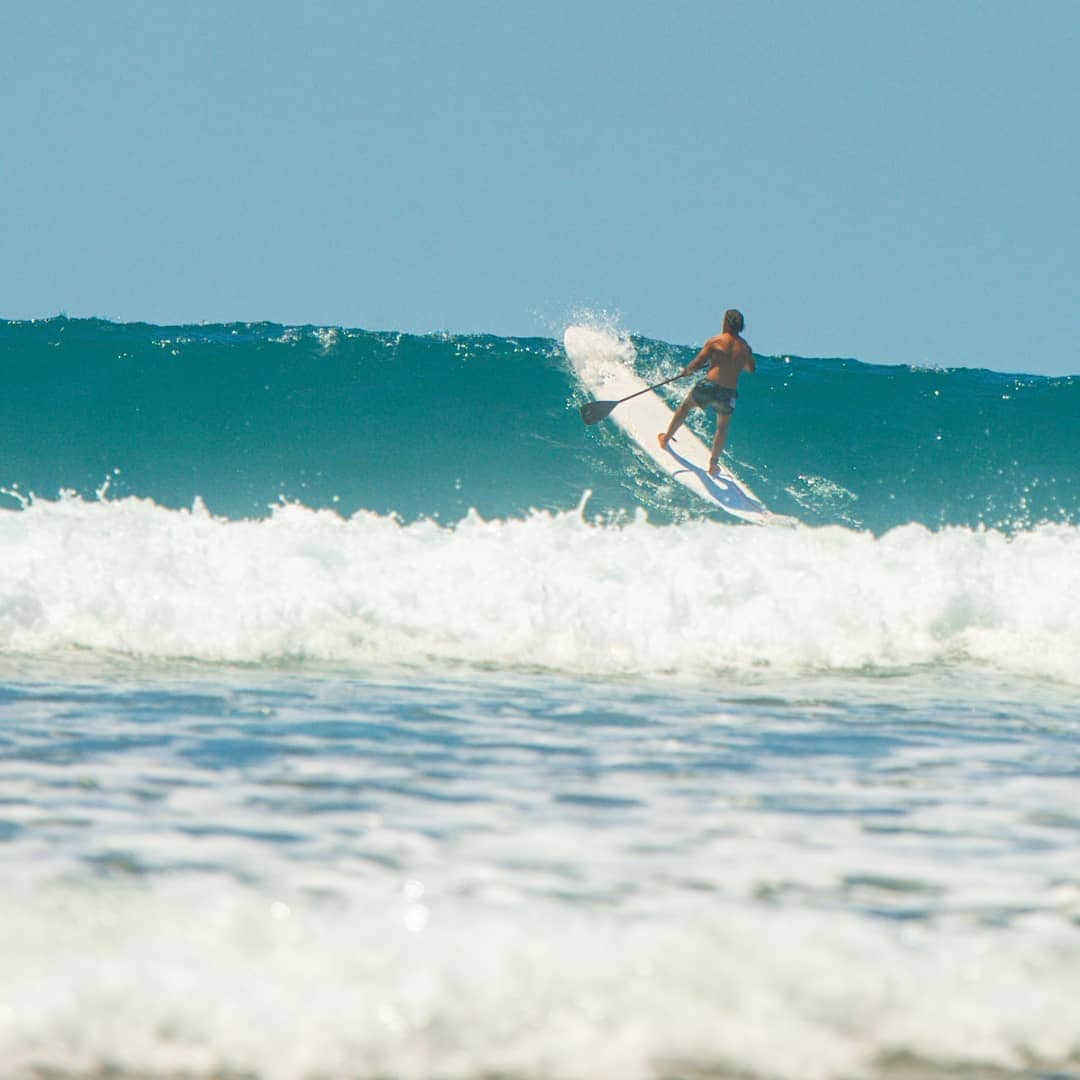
(592,412)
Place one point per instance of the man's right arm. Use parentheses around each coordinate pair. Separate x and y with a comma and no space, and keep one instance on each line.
(746,359)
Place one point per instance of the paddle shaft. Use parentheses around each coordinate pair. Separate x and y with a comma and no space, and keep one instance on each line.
(595,411)
(648,388)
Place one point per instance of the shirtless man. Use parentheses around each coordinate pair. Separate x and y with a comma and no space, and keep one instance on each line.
(725,356)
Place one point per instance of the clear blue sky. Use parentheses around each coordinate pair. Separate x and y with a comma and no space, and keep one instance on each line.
(898,182)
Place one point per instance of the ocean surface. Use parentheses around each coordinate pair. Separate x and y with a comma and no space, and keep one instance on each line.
(364,715)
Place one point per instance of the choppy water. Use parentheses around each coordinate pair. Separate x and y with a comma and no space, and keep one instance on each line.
(308,771)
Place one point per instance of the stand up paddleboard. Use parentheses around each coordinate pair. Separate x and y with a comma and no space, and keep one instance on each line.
(604,365)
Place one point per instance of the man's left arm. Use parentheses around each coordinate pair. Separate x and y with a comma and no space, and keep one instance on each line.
(701,360)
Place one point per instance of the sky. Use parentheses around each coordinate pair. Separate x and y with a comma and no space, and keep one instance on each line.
(895,182)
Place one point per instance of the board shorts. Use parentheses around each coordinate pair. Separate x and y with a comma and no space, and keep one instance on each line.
(710,395)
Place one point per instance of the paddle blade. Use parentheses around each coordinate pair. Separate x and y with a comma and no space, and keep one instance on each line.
(592,412)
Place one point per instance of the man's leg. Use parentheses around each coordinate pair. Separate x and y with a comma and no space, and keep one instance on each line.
(723,420)
(677,419)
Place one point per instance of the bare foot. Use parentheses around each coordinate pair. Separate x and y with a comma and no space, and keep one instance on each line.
(662,439)
(714,468)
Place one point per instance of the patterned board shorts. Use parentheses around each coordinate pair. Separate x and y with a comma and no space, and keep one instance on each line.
(710,395)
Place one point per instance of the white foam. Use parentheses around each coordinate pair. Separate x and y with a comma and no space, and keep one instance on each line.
(554,591)
(600,350)
(199,976)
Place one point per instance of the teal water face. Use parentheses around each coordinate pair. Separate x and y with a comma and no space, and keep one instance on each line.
(245,415)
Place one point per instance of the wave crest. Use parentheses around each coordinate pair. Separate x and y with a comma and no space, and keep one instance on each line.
(552,591)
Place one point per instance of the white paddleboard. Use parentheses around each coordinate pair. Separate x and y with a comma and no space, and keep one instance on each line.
(604,364)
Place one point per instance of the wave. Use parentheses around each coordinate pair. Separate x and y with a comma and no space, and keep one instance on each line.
(561,592)
(244,416)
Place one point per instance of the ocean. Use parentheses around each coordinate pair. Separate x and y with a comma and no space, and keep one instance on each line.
(365,715)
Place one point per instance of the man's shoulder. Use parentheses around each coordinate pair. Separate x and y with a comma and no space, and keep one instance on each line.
(732,344)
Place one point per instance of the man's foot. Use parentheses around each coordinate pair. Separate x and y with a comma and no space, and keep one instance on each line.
(662,439)
(714,467)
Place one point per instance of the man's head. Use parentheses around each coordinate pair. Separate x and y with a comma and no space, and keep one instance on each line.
(733,321)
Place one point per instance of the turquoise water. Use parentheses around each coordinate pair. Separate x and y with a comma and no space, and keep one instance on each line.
(362,714)
(244,415)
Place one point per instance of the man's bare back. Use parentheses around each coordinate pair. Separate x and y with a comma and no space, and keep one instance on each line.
(727,355)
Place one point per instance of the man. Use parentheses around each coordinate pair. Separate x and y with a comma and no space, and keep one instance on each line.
(725,356)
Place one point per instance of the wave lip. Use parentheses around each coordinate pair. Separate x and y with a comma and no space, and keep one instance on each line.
(547,591)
